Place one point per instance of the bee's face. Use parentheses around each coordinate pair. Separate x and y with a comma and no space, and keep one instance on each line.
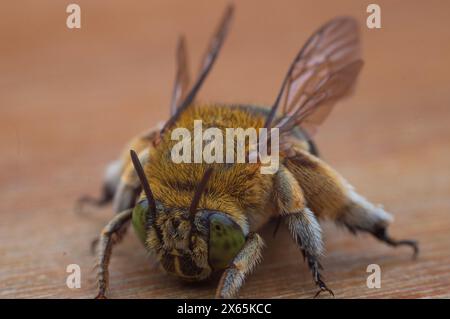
(191,247)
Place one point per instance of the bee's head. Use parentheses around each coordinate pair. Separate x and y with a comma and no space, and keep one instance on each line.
(191,247)
(189,243)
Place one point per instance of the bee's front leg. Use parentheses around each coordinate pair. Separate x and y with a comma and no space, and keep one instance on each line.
(111,234)
(244,263)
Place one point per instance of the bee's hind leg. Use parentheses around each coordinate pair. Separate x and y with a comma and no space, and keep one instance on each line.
(382,235)
(361,215)
(109,187)
(329,195)
(302,223)
(105,198)
(110,235)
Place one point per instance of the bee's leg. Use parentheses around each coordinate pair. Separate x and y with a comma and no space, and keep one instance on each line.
(308,234)
(110,235)
(330,196)
(301,221)
(111,181)
(116,170)
(129,186)
(127,191)
(361,215)
(244,263)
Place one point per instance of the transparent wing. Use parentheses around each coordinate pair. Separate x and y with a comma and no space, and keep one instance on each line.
(182,77)
(324,71)
(207,62)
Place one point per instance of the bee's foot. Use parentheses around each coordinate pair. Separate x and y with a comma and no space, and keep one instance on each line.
(382,235)
(323,287)
(100,295)
(414,245)
(86,200)
(81,204)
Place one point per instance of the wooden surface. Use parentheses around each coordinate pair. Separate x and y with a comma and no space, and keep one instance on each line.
(70,99)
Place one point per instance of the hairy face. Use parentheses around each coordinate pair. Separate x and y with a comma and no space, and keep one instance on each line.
(192,247)
(184,247)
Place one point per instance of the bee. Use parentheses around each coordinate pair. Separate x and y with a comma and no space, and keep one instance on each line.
(202,218)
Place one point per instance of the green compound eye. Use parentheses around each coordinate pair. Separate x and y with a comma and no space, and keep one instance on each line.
(225,240)
(139,218)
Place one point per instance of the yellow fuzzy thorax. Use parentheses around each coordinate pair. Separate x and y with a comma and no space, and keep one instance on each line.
(238,189)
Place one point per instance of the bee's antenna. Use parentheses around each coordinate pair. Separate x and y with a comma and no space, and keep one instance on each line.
(200,189)
(144,182)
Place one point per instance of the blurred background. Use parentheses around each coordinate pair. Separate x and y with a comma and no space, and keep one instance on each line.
(71,98)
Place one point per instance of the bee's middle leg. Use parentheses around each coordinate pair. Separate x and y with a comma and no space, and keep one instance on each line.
(301,222)
(115,171)
(308,234)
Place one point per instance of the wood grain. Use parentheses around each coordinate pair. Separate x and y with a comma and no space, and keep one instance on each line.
(70,99)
